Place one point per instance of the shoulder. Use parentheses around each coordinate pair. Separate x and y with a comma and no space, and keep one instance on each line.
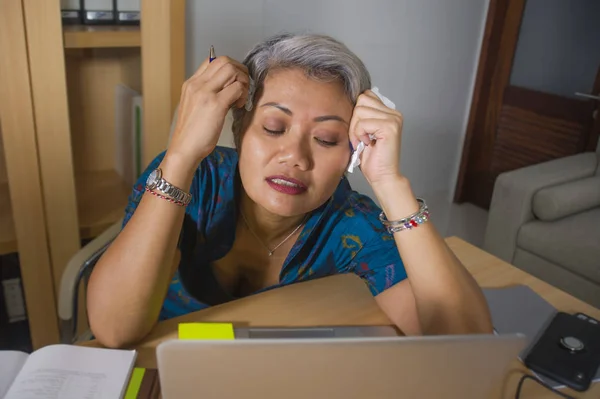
(352,223)
(359,214)
(221,158)
(210,183)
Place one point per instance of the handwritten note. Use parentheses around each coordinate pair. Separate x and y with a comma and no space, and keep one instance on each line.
(206,331)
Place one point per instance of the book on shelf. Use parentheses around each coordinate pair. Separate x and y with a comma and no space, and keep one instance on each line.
(128,12)
(128,134)
(98,12)
(70,11)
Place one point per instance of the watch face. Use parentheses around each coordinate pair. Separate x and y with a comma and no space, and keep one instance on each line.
(153,179)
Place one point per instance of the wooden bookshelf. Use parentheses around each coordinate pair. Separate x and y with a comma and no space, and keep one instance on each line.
(58,132)
(8,240)
(84,36)
(101,200)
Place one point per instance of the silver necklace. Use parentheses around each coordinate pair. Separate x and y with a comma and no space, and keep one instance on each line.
(261,241)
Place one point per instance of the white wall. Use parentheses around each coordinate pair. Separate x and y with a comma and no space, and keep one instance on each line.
(421,53)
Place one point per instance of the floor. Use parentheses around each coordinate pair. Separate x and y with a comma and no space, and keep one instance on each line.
(466,221)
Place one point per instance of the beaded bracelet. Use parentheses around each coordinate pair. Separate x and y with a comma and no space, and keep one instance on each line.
(165,197)
(414,220)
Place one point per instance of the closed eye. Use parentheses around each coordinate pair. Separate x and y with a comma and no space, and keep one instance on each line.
(326,143)
(274,132)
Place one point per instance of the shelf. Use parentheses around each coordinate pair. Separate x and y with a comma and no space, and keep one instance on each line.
(8,239)
(101,200)
(85,36)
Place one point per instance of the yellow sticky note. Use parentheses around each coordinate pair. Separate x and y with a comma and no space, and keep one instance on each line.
(206,331)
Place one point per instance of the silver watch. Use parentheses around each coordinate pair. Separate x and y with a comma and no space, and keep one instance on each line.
(156,182)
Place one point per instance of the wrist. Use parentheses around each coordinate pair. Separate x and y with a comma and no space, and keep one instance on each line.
(178,170)
(396,197)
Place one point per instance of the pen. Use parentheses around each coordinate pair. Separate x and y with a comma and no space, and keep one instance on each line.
(211,56)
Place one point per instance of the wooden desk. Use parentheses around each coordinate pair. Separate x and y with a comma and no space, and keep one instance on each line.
(345,300)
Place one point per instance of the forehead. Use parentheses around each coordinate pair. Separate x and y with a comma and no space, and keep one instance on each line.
(292,88)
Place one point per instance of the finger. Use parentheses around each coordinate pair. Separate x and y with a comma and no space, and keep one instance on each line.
(219,62)
(201,68)
(364,112)
(381,129)
(226,75)
(370,99)
(241,102)
(232,93)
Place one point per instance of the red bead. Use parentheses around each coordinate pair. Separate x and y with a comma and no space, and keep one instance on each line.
(414,224)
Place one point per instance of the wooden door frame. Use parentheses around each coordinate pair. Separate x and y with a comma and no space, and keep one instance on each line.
(496,57)
(595,132)
(500,39)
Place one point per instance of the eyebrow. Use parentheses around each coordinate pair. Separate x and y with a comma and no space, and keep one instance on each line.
(323,118)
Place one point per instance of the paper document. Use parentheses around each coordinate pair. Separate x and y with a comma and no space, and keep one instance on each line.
(72,372)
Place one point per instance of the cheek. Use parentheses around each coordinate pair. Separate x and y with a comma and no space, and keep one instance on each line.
(252,147)
(332,166)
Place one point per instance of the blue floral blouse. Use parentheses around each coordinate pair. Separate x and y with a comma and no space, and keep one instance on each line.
(344,235)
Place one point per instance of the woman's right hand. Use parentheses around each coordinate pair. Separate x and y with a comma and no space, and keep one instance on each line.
(206,98)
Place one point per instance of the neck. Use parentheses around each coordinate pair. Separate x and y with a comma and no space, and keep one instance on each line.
(268,226)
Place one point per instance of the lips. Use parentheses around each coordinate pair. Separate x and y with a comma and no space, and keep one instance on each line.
(286,185)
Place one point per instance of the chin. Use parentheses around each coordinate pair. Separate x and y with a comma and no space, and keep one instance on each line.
(285,207)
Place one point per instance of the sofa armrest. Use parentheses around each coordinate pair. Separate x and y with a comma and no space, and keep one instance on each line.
(556,202)
(511,205)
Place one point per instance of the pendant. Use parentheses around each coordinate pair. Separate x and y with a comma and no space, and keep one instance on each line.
(270,253)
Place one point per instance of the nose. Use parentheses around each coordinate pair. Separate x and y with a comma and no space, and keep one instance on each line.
(296,150)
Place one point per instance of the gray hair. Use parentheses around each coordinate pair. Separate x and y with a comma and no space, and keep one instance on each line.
(320,57)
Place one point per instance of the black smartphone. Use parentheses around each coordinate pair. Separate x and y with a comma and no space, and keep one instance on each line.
(568,351)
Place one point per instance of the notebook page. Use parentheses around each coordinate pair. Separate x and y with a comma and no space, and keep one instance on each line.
(10,364)
(72,372)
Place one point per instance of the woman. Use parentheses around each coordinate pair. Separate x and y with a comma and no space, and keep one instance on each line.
(279,209)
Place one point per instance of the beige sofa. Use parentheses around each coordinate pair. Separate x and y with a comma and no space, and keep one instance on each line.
(545,219)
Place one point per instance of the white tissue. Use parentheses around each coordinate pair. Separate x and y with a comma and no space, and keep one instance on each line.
(386,101)
(355,160)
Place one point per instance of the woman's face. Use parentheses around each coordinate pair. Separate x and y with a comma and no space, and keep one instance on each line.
(294,150)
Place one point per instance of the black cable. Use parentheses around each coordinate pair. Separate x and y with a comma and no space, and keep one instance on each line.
(527,376)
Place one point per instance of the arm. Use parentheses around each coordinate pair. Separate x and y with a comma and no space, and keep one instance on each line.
(439,296)
(128,285)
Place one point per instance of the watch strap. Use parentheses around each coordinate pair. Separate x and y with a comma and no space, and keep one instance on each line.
(173,192)
(156,183)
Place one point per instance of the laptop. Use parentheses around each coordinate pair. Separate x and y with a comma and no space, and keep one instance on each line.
(382,367)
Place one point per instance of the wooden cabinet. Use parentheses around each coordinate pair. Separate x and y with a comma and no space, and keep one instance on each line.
(58,183)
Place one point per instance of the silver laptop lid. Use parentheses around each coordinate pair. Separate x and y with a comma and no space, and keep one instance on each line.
(417,367)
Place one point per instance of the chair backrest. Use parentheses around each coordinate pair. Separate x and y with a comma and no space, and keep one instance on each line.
(78,270)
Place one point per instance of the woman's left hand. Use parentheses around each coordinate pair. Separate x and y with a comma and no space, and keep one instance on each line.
(380,160)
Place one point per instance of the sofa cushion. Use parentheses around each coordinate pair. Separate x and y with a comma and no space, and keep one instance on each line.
(555,202)
(572,242)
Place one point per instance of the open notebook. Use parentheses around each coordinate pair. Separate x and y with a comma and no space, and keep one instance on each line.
(65,372)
